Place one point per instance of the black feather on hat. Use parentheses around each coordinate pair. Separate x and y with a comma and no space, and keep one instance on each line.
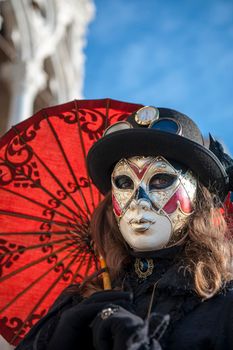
(157,132)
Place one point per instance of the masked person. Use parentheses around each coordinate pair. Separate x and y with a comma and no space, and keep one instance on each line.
(165,240)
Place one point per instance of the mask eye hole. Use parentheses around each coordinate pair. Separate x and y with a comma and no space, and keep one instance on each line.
(123,182)
(161,181)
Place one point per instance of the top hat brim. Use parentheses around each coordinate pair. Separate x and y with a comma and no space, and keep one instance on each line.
(107,151)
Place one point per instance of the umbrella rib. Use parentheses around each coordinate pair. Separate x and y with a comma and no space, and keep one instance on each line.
(77,269)
(41,299)
(69,166)
(42,188)
(84,153)
(88,265)
(35,282)
(105,127)
(31,247)
(49,171)
(36,233)
(35,202)
(35,218)
(15,272)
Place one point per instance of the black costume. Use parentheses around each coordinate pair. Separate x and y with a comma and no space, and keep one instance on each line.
(194,324)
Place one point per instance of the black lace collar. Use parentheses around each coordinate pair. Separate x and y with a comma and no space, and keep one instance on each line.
(167,273)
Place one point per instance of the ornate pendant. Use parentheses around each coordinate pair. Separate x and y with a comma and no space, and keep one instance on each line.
(143,267)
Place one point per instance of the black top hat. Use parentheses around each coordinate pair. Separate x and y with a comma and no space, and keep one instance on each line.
(156,131)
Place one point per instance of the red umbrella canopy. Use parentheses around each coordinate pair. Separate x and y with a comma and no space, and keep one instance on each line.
(47,199)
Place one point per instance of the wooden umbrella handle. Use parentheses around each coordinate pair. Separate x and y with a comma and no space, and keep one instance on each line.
(105,275)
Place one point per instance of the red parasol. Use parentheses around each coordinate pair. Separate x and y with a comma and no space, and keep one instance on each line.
(47,199)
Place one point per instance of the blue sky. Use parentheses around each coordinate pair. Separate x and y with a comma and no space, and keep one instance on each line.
(166,53)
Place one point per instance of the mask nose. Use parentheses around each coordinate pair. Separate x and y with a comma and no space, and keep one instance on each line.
(141,200)
(141,195)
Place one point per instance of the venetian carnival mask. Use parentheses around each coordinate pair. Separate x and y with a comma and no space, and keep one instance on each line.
(152,201)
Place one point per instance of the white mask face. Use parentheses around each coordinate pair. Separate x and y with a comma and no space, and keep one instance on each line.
(152,201)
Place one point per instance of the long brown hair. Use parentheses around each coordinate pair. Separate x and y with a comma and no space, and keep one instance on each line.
(207,250)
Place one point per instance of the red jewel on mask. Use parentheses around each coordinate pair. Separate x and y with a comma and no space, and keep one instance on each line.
(180,196)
